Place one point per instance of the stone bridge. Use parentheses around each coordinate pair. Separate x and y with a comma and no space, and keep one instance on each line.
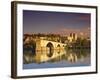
(47,50)
(46,43)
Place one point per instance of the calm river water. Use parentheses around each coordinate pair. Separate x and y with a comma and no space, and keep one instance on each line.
(69,58)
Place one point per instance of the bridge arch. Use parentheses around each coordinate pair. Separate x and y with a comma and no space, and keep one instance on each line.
(50,49)
(58,48)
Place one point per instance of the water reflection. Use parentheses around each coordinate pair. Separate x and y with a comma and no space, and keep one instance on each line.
(69,55)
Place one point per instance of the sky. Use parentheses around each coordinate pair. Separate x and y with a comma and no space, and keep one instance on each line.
(55,22)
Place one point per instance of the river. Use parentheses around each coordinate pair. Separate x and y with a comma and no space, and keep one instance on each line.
(71,58)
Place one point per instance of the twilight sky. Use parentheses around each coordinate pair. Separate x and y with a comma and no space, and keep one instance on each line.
(55,22)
